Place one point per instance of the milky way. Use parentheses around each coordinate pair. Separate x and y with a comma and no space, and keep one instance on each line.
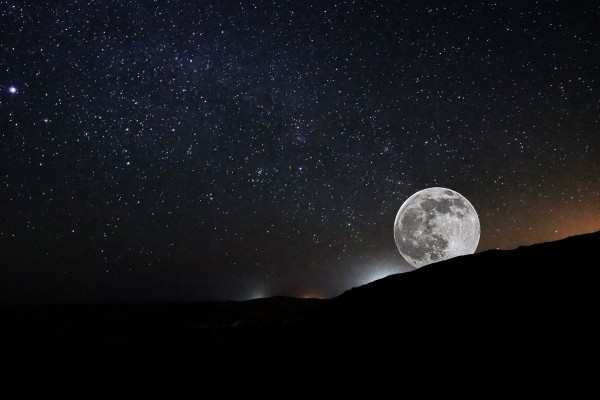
(188,150)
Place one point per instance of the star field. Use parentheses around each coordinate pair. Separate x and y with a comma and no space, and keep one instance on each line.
(189,150)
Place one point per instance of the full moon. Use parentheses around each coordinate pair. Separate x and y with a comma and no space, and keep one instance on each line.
(436,224)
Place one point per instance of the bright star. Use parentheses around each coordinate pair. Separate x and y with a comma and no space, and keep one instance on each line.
(12,90)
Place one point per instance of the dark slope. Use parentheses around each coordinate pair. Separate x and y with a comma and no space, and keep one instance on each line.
(525,317)
(507,320)
(550,277)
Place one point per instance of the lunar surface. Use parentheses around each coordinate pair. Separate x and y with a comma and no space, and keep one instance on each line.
(436,224)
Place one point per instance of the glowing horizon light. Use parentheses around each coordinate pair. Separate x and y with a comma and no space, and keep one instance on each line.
(379,271)
(374,276)
(258,292)
(310,295)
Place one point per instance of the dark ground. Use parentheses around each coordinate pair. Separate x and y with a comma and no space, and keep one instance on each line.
(513,323)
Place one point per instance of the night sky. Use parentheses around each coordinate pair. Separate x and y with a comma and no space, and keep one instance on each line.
(217,150)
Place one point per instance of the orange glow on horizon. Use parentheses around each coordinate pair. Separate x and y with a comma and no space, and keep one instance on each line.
(310,295)
(526,229)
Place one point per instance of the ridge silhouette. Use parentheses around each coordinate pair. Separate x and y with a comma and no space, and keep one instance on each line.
(495,316)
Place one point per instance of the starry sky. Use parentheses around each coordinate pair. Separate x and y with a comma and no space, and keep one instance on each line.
(198,150)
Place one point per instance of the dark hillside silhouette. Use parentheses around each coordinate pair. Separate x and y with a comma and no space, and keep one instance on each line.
(523,318)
